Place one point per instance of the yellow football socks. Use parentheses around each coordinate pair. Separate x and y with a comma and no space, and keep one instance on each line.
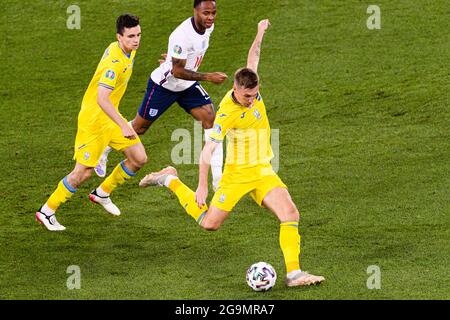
(63,192)
(187,200)
(290,245)
(119,175)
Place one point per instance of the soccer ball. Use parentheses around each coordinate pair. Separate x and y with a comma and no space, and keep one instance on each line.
(261,276)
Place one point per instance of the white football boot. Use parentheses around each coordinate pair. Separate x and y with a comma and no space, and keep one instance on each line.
(157,178)
(49,222)
(302,278)
(105,202)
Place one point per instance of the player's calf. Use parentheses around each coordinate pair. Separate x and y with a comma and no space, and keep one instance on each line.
(79,175)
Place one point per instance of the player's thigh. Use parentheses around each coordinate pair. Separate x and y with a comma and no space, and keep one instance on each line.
(120,143)
(196,101)
(273,194)
(156,101)
(228,193)
(89,146)
(205,114)
(214,218)
(279,201)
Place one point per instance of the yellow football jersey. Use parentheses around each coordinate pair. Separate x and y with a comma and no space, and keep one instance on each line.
(113,72)
(248,135)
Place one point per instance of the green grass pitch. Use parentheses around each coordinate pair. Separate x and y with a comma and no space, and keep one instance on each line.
(364,122)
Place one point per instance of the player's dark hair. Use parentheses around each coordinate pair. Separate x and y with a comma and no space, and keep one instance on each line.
(246,78)
(197,2)
(126,21)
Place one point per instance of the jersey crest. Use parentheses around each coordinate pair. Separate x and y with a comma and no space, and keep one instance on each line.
(177,49)
(110,74)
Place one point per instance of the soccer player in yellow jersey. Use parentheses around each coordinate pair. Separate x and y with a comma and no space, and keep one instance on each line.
(100,124)
(242,118)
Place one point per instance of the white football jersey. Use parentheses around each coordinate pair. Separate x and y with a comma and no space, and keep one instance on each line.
(185,43)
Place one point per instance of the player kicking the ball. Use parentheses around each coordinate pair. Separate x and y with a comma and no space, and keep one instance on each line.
(177,80)
(242,118)
(100,124)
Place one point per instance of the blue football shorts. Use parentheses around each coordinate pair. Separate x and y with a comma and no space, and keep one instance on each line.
(158,99)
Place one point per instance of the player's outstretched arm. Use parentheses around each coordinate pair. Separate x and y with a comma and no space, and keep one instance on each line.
(179,71)
(255,50)
(205,161)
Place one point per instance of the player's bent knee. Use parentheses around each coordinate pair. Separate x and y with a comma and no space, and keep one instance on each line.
(208,124)
(208,226)
(211,228)
(140,161)
(293,216)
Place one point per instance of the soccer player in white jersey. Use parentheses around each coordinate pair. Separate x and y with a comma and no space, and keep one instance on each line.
(177,80)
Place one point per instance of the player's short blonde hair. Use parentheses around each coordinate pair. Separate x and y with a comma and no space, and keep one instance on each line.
(246,78)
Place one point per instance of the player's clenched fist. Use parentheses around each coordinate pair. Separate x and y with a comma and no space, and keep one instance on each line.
(217,77)
(263,25)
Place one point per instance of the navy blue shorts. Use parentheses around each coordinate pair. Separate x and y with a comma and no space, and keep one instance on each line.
(158,99)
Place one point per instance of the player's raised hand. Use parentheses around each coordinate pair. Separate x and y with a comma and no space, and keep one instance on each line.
(263,25)
(164,55)
(216,77)
(200,195)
